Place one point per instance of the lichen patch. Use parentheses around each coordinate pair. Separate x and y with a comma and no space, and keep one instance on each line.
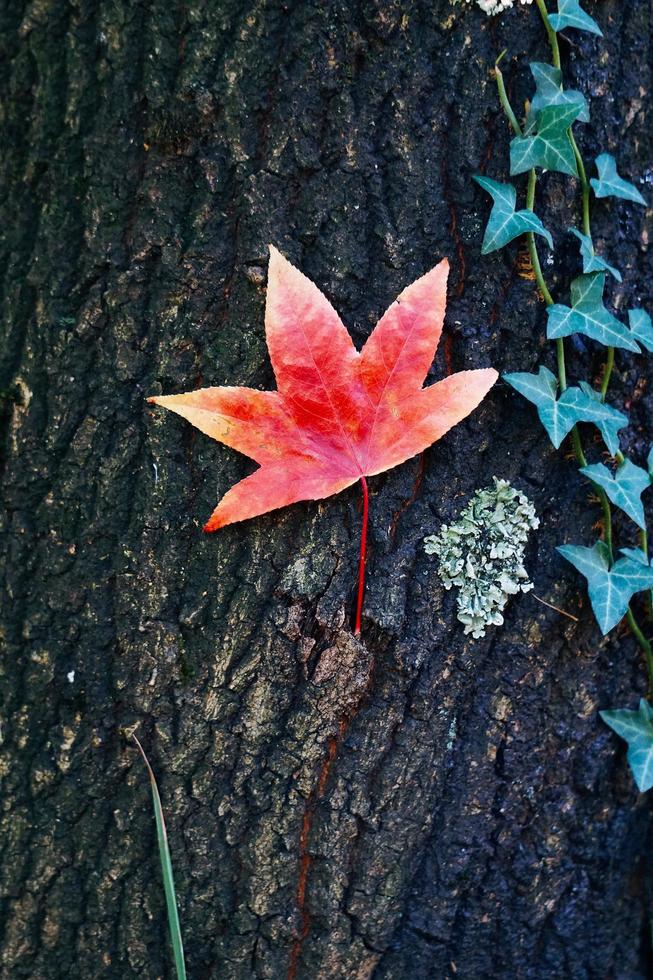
(482,554)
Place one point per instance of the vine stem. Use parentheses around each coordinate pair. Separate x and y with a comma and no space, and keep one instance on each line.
(587,230)
(582,173)
(607,373)
(609,366)
(363,555)
(553,37)
(537,268)
(643,543)
(584,183)
(579,452)
(530,237)
(503,95)
(644,644)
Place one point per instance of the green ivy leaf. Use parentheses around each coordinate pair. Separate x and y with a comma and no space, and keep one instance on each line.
(636,728)
(639,572)
(635,554)
(541,389)
(590,407)
(549,91)
(610,184)
(550,148)
(649,462)
(506,224)
(624,489)
(575,405)
(591,261)
(641,327)
(610,589)
(588,315)
(571,14)
(638,556)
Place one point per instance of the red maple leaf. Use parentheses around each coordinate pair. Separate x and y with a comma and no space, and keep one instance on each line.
(338,414)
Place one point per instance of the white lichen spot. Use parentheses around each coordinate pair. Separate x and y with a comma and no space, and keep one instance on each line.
(482,554)
(492,7)
(451,734)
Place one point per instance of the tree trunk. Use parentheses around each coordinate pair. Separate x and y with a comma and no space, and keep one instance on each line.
(414,805)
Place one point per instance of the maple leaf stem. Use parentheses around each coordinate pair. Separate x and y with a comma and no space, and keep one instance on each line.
(361,563)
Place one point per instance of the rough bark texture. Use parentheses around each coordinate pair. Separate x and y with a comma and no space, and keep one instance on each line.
(415,805)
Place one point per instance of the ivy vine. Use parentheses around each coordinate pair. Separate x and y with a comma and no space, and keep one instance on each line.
(546,141)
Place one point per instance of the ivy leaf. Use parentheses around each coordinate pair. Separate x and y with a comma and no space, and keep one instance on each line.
(610,589)
(610,184)
(541,389)
(641,327)
(339,414)
(635,554)
(609,598)
(591,261)
(624,489)
(549,91)
(638,557)
(506,224)
(649,462)
(550,148)
(639,573)
(636,728)
(590,407)
(575,405)
(571,14)
(588,315)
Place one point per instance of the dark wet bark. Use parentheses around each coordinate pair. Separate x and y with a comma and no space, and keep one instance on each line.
(414,806)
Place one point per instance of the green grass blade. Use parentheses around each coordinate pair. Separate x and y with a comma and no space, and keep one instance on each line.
(166,868)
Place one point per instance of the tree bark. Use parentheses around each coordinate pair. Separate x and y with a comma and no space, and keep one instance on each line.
(415,804)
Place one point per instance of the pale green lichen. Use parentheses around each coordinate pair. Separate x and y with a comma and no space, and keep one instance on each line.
(483,554)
